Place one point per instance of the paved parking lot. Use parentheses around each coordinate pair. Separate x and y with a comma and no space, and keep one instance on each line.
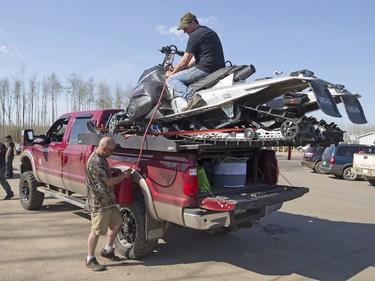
(328,234)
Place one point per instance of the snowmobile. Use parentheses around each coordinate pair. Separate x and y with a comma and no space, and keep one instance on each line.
(272,108)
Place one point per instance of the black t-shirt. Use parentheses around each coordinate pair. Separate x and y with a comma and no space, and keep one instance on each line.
(205,44)
(11,145)
(2,154)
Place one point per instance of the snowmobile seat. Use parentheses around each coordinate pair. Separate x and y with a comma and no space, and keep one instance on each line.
(241,73)
(212,78)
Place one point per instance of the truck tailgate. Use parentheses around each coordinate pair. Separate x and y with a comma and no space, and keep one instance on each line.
(364,160)
(247,199)
(238,208)
(364,164)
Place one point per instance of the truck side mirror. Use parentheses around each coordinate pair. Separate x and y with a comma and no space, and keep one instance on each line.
(27,137)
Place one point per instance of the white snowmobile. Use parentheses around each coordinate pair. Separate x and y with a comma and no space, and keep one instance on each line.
(264,109)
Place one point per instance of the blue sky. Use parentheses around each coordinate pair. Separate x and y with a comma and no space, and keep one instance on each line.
(116,40)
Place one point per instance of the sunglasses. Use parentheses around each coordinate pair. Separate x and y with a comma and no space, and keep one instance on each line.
(110,150)
(187,26)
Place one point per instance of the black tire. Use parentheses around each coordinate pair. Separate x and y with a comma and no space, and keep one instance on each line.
(219,231)
(371,181)
(318,167)
(349,175)
(30,198)
(131,240)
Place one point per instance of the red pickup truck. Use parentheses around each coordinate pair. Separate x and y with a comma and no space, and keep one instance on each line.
(214,187)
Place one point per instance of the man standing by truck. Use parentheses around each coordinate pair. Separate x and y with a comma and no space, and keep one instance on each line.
(101,201)
(3,181)
(9,157)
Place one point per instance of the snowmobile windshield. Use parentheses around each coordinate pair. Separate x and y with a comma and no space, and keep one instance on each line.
(154,74)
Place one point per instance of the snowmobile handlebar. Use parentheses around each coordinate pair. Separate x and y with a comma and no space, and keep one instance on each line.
(172,49)
(170,52)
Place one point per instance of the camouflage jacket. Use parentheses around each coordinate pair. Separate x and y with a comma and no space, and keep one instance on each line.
(100,197)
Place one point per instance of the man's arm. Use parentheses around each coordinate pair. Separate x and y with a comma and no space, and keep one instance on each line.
(186,61)
(9,151)
(117,179)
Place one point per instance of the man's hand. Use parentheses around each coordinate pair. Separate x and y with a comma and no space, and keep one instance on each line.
(169,71)
(128,172)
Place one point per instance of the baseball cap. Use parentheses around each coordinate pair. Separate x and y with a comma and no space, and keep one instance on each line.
(185,20)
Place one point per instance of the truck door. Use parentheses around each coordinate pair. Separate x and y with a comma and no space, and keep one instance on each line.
(50,159)
(75,156)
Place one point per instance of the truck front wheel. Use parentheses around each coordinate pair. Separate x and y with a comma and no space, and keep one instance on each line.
(30,197)
(131,240)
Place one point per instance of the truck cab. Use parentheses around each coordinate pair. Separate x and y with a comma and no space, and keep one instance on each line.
(60,159)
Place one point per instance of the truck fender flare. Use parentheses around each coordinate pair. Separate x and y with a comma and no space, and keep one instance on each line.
(141,182)
(27,154)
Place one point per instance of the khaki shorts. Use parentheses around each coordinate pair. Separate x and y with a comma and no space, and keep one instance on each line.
(100,221)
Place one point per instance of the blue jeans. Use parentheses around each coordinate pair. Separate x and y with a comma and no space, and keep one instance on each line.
(179,81)
(4,182)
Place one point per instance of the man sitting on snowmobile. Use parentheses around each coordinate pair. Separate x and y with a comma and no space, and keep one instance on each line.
(203,55)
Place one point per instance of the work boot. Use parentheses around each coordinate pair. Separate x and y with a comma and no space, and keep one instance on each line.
(94,265)
(111,255)
(195,102)
(9,196)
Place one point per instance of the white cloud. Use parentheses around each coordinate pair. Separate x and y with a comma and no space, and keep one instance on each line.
(162,30)
(207,21)
(173,30)
(5,50)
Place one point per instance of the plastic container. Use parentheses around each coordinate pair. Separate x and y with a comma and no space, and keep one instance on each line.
(230,172)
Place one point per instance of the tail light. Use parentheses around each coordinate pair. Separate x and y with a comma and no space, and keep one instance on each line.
(332,160)
(191,182)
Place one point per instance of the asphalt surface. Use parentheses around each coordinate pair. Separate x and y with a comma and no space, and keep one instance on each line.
(328,234)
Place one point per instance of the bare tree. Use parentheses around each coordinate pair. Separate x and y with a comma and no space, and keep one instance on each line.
(53,87)
(4,94)
(104,97)
(90,97)
(43,112)
(33,100)
(74,83)
(127,94)
(15,103)
(119,92)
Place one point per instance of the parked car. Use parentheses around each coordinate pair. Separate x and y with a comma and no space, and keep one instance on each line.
(312,158)
(18,149)
(338,160)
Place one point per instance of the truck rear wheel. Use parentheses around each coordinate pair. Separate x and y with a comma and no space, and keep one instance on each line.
(30,197)
(131,239)
(371,181)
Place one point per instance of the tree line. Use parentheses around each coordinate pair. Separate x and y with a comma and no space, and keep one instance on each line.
(33,102)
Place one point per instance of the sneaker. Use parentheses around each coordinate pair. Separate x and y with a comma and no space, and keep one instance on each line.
(94,265)
(9,196)
(111,255)
(195,102)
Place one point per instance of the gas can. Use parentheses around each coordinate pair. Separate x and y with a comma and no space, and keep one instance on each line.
(124,192)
